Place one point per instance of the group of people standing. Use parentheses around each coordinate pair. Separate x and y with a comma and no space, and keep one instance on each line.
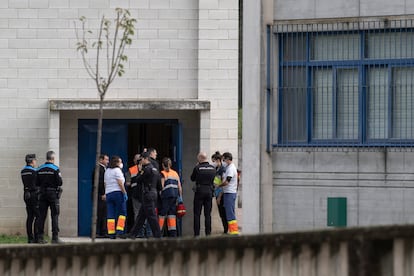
(154,195)
(218,179)
(42,190)
(150,189)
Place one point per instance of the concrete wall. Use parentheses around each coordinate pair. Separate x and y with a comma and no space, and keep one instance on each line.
(182,50)
(382,251)
(378,186)
(308,9)
(294,194)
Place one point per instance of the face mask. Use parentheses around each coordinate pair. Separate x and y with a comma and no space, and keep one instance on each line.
(121,165)
(224,164)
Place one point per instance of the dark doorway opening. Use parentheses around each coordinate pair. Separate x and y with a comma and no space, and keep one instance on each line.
(124,138)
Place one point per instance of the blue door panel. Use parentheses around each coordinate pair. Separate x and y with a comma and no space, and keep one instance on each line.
(114,142)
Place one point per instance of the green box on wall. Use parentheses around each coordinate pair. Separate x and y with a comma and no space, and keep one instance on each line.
(337,211)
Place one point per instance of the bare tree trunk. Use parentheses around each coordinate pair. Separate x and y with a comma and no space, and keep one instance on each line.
(96,176)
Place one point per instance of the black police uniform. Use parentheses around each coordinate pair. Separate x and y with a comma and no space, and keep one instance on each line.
(31,199)
(203,174)
(101,229)
(148,178)
(50,182)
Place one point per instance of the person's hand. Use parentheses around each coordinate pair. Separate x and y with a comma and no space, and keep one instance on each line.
(125,197)
(218,200)
(103,197)
(180,199)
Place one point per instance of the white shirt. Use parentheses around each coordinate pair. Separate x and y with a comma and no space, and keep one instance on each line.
(231,188)
(111,183)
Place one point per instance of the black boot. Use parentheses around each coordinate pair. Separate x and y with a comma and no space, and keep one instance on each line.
(55,239)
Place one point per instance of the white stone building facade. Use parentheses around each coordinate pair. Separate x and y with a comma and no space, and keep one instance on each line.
(301,162)
(182,71)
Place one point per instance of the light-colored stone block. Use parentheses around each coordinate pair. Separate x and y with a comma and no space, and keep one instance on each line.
(59,4)
(159,4)
(17,4)
(147,34)
(48,13)
(292,9)
(184,4)
(78,4)
(228,4)
(139,4)
(207,5)
(38,4)
(218,14)
(27,13)
(381,7)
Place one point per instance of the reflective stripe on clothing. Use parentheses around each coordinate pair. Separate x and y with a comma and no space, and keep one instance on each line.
(121,223)
(171,223)
(133,171)
(233,227)
(171,180)
(110,224)
(161,221)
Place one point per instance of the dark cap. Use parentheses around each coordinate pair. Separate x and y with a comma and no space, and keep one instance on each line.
(30,157)
(145,154)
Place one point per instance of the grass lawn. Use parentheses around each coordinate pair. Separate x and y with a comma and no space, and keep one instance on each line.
(12,239)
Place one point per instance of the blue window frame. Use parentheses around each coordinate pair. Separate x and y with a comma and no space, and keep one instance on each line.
(346,88)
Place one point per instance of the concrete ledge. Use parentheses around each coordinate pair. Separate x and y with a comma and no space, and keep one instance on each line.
(259,243)
(378,251)
(62,105)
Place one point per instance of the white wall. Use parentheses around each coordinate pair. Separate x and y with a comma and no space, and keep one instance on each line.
(183,49)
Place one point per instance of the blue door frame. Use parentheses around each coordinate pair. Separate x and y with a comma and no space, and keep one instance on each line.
(114,141)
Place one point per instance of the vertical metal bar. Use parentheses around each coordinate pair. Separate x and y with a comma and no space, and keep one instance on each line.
(362,89)
(268,91)
(391,103)
(280,87)
(309,100)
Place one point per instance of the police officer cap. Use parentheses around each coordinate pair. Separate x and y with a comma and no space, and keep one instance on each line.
(145,154)
(30,157)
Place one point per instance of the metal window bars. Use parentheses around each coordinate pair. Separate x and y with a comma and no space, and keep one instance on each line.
(343,85)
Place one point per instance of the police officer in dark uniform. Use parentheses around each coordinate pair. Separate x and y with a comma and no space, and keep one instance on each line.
(31,197)
(50,181)
(203,175)
(148,177)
